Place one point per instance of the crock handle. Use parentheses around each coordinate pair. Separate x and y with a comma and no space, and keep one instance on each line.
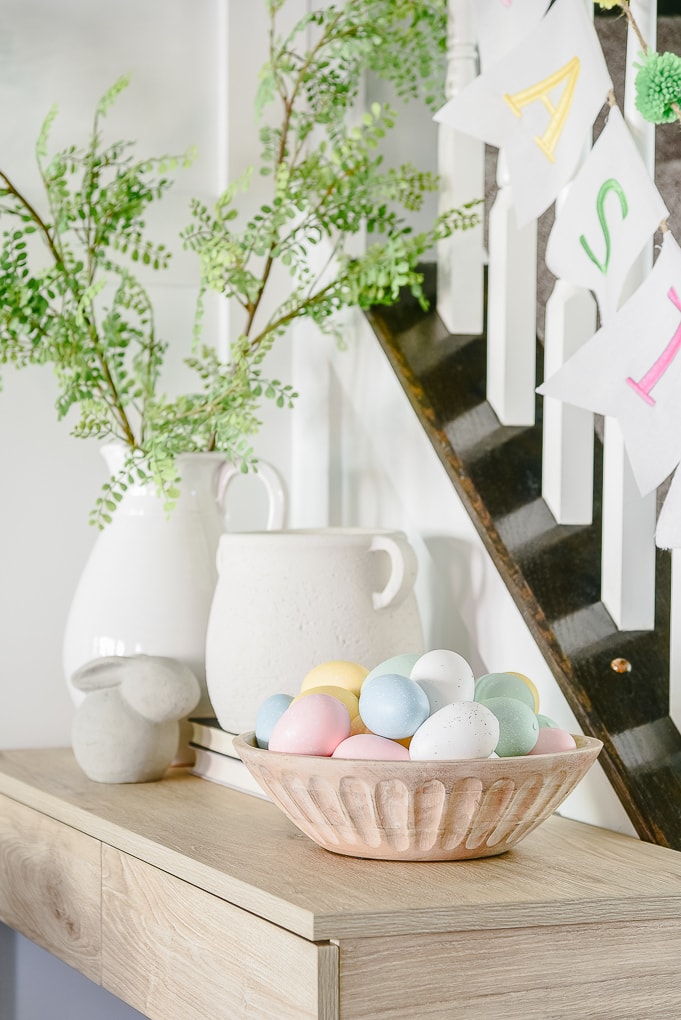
(270,478)
(403,570)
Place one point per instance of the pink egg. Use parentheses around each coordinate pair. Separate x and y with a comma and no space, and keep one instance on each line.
(314,725)
(551,739)
(371,747)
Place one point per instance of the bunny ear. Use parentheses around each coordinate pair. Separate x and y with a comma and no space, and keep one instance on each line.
(100,673)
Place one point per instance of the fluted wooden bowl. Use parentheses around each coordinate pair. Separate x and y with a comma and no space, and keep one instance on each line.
(418,810)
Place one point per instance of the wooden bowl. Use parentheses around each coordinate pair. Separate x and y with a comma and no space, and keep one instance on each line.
(418,810)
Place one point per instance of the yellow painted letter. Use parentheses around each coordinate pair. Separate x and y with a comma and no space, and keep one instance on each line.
(548,141)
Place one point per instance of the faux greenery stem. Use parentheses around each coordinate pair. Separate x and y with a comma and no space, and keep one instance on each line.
(88,315)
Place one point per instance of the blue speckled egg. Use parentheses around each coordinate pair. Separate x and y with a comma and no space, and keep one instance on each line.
(268,715)
(393,705)
(518,726)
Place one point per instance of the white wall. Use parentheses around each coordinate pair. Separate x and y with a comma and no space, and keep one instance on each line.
(183,92)
(352,452)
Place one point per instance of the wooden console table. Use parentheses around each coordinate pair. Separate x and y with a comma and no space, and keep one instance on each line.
(191,901)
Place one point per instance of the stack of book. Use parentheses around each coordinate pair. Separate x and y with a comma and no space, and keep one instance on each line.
(217,760)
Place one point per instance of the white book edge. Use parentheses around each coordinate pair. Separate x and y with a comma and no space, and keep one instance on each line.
(225,770)
(213,738)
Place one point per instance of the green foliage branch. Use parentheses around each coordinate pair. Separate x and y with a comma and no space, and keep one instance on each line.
(83,309)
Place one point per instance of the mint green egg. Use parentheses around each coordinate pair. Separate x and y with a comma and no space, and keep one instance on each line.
(546,723)
(518,726)
(401,664)
(503,685)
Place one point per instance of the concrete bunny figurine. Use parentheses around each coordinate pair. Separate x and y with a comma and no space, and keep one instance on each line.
(126,728)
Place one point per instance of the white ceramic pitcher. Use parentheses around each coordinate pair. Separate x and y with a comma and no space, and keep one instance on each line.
(148,583)
(286,601)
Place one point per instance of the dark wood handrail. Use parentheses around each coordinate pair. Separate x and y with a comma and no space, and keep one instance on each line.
(552,571)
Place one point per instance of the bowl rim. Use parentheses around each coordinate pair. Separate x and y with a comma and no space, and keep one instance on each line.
(585,746)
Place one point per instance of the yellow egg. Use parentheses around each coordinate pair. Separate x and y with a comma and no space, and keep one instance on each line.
(336,673)
(357,725)
(350,700)
(526,680)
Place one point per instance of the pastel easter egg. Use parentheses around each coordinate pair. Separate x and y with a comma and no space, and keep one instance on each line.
(393,705)
(526,680)
(504,685)
(313,725)
(348,698)
(336,673)
(357,725)
(544,720)
(518,726)
(464,729)
(551,740)
(401,664)
(445,677)
(267,715)
(371,747)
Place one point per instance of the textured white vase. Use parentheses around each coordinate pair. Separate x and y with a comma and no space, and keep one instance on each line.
(148,583)
(286,601)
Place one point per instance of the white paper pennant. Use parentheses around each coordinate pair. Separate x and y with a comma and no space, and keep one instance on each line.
(611,209)
(538,104)
(631,370)
(502,24)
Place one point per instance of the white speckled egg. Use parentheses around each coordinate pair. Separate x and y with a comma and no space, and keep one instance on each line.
(464,729)
(445,676)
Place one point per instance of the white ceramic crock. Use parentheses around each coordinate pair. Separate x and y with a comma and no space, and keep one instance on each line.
(286,601)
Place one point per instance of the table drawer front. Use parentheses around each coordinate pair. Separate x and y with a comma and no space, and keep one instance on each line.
(605,971)
(175,952)
(50,885)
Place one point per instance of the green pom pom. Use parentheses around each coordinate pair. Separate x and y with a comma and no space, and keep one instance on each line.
(658,86)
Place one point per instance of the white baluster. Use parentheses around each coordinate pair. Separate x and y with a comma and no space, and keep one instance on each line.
(568,432)
(511,309)
(568,436)
(628,555)
(461,164)
(675,649)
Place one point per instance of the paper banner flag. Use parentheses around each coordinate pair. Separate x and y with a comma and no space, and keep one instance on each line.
(668,531)
(631,370)
(611,209)
(538,103)
(502,24)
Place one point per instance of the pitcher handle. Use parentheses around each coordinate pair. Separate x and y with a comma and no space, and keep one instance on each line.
(403,568)
(270,478)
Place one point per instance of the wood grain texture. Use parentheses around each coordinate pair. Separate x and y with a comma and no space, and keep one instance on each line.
(552,571)
(174,952)
(50,885)
(243,850)
(599,971)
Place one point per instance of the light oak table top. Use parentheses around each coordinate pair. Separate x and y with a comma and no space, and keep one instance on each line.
(242,849)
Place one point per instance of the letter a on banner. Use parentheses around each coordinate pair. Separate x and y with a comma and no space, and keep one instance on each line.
(541,92)
(538,103)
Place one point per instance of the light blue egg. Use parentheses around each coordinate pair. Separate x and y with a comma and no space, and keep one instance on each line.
(518,726)
(402,665)
(546,722)
(393,706)
(268,715)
